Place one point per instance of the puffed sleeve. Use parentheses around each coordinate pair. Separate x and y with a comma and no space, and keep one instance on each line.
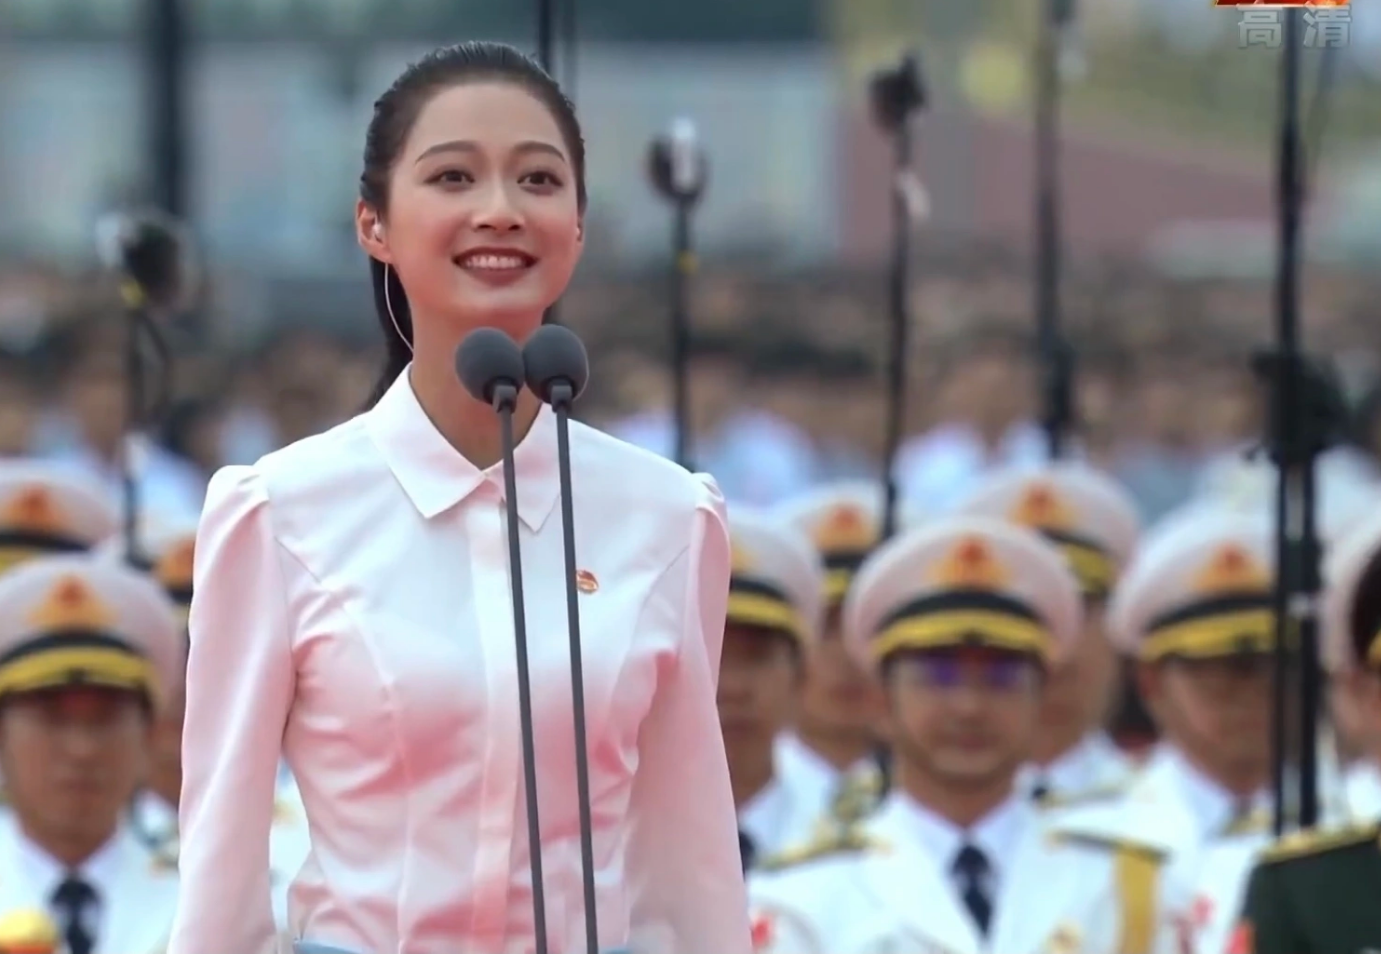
(240,684)
(684,872)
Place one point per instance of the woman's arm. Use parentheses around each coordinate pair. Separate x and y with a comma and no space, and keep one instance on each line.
(684,871)
(240,682)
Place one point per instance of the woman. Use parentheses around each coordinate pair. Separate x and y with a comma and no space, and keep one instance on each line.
(352,605)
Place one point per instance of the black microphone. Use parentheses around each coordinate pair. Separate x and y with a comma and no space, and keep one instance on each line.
(490,366)
(151,255)
(679,170)
(557,372)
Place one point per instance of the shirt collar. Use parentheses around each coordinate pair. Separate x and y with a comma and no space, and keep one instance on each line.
(102,870)
(436,477)
(1213,807)
(996,833)
(762,816)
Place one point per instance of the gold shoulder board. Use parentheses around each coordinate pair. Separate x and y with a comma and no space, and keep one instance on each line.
(857,798)
(843,841)
(1301,844)
(1109,843)
(1100,793)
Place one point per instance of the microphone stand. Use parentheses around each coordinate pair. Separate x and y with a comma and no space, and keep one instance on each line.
(504,399)
(1299,434)
(562,395)
(545,36)
(683,269)
(678,171)
(132,449)
(898,95)
(1055,352)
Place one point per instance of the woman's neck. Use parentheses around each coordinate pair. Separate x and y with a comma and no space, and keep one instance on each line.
(468,425)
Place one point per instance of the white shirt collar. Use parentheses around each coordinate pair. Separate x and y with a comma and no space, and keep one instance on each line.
(1213,807)
(996,834)
(102,871)
(1081,768)
(763,818)
(436,477)
(797,763)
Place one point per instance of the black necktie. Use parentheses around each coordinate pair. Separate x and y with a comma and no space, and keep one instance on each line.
(75,899)
(971,869)
(747,850)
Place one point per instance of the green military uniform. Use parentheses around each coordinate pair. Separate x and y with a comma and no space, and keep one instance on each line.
(1315,893)
(1319,892)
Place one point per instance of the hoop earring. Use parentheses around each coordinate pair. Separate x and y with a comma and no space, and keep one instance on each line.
(388,303)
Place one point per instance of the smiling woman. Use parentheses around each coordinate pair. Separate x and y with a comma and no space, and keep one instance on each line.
(352,611)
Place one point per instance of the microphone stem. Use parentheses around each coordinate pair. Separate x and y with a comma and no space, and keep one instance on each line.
(130,444)
(582,757)
(683,267)
(534,828)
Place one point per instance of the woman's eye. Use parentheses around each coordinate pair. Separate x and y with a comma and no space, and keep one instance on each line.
(543,179)
(451,176)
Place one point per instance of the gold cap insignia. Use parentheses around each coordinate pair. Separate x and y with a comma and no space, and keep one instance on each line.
(174,568)
(32,509)
(71,605)
(1041,507)
(1232,568)
(846,528)
(970,565)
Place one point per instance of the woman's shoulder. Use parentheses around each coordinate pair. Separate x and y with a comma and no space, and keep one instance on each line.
(634,476)
(310,469)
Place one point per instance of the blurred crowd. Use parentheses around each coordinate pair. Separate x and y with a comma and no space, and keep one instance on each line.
(787,377)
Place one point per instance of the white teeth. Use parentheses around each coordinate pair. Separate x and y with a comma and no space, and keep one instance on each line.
(495,262)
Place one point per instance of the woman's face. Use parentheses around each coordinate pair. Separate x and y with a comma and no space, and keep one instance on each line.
(482,224)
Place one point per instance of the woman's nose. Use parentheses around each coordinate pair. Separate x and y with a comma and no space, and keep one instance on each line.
(498,211)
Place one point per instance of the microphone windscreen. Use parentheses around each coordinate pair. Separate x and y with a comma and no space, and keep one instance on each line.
(485,359)
(555,354)
(152,250)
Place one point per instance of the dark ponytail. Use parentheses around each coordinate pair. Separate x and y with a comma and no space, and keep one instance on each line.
(394,114)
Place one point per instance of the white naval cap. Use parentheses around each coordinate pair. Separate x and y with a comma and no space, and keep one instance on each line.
(777,581)
(1084,512)
(964,581)
(1200,586)
(83,620)
(167,547)
(1344,493)
(44,511)
(1351,622)
(844,521)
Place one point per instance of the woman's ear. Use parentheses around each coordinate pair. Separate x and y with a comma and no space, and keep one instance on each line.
(370,232)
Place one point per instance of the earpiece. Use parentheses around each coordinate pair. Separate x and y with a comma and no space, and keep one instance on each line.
(378,230)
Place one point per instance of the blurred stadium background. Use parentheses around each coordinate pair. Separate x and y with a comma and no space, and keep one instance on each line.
(254,136)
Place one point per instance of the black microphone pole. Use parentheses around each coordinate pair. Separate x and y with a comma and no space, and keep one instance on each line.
(546,35)
(1055,353)
(898,96)
(150,255)
(557,370)
(490,366)
(1299,434)
(569,38)
(678,170)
